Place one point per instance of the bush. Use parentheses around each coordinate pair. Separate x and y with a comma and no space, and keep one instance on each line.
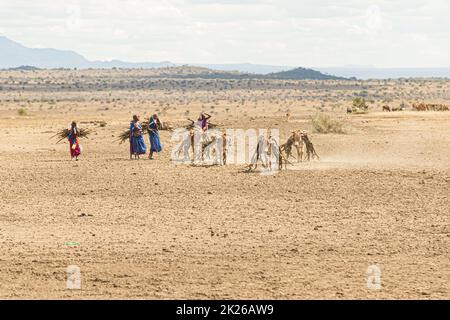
(22,112)
(359,105)
(323,123)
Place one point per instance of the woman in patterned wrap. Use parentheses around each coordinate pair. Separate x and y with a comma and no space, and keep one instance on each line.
(155,142)
(137,143)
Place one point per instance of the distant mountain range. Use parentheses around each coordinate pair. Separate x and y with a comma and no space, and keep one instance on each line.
(15,55)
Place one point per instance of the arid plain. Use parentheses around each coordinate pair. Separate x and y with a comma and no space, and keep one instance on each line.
(154,229)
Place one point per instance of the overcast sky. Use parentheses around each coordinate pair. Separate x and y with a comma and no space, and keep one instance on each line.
(312,33)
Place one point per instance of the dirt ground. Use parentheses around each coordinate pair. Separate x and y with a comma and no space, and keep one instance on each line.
(152,229)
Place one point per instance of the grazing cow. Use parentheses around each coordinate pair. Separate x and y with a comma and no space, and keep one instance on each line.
(419,107)
(386,109)
(430,107)
(349,110)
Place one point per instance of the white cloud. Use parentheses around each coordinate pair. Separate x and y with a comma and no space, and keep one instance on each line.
(283,32)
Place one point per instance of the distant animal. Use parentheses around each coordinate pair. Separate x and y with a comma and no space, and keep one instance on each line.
(430,107)
(399,108)
(386,109)
(288,116)
(349,110)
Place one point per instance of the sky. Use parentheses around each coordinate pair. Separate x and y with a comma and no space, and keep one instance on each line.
(309,33)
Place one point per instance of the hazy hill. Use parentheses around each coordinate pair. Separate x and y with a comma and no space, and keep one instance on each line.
(24,68)
(13,55)
(302,74)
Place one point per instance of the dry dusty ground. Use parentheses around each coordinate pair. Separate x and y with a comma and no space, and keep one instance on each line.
(150,229)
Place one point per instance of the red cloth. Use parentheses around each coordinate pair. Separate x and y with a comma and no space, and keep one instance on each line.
(73,140)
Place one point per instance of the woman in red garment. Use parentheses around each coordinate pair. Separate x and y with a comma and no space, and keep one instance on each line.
(75,147)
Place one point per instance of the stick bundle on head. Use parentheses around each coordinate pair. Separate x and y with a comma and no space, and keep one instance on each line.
(64,134)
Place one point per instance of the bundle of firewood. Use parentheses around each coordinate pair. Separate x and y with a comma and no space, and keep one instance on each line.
(163,126)
(191,125)
(64,134)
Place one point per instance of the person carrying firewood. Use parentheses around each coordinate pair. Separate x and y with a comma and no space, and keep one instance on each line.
(75,147)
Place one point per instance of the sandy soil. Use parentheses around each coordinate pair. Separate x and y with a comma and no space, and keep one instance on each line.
(152,229)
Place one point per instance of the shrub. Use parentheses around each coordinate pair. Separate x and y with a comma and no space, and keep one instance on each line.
(323,123)
(22,111)
(359,105)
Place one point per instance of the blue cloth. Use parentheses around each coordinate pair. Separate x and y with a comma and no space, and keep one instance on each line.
(72,137)
(137,143)
(153,135)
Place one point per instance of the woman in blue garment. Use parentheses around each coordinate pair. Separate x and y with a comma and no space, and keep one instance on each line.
(153,133)
(137,143)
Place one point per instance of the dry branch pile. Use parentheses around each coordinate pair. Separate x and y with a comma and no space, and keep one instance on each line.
(124,136)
